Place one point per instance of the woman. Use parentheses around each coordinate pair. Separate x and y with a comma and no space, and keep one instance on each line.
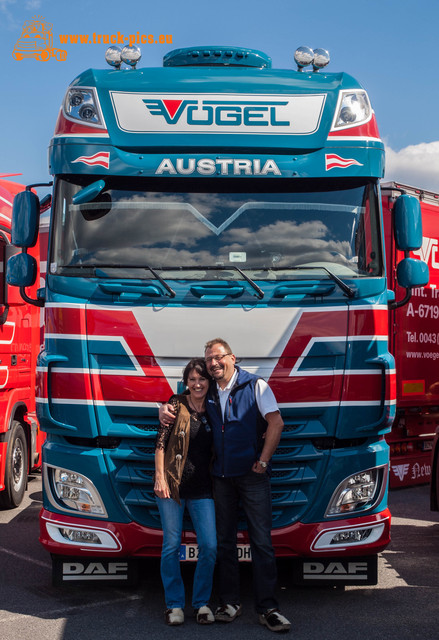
(182,480)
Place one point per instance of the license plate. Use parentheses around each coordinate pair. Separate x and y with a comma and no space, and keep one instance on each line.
(189,552)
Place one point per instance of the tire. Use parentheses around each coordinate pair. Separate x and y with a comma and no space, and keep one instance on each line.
(16,468)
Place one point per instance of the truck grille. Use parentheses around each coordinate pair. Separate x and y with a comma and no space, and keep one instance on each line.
(297,466)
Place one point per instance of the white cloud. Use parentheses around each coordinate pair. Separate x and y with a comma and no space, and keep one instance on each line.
(8,11)
(33,4)
(416,165)
(4,4)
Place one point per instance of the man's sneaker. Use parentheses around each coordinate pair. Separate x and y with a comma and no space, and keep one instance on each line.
(274,620)
(204,615)
(228,612)
(174,617)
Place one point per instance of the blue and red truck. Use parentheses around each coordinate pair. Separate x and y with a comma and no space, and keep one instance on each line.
(217,196)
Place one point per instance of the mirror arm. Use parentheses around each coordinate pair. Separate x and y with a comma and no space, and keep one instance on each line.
(38,184)
(4,315)
(37,303)
(395,305)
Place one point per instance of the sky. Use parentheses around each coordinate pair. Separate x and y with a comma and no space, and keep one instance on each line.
(389,46)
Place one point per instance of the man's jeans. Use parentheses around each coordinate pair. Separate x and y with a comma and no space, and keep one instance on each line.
(202,512)
(254,493)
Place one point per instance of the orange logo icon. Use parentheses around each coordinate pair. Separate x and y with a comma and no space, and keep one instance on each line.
(36,41)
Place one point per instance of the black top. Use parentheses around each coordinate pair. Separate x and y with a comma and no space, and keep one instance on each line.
(196,481)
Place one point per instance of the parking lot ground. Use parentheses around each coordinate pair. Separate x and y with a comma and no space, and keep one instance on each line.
(404,604)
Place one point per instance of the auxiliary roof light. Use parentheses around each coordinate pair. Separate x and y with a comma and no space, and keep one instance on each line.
(321,59)
(303,57)
(112,56)
(131,55)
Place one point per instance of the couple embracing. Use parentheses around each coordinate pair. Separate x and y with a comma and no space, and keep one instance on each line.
(235,413)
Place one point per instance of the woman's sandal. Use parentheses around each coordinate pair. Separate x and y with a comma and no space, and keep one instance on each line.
(174,617)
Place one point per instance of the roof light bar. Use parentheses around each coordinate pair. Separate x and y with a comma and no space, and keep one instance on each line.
(130,55)
(304,56)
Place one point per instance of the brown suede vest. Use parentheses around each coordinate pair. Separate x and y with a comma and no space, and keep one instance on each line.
(178,445)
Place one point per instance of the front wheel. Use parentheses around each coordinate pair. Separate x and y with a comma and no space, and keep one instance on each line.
(16,468)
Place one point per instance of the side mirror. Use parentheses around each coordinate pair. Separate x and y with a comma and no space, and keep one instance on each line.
(25,219)
(412,273)
(408,223)
(21,270)
(89,193)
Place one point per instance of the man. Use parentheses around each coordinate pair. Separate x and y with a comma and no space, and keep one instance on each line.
(246,426)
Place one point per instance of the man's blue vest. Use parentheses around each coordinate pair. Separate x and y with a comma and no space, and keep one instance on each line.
(237,438)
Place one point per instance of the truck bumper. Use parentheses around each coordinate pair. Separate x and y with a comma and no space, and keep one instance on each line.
(76,536)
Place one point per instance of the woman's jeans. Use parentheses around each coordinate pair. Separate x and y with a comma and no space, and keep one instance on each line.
(202,513)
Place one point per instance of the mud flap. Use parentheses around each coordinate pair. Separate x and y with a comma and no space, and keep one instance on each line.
(70,570)
(336,571)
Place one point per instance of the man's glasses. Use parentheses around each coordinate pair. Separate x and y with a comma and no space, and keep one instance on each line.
(216,358)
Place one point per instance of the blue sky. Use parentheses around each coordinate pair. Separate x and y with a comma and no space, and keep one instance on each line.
(390,46)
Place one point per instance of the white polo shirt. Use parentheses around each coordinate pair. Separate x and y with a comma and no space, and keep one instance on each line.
(264,395)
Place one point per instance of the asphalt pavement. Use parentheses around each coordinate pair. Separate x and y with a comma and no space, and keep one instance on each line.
(404,605)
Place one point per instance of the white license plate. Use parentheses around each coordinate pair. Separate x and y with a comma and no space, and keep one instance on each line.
(189,552)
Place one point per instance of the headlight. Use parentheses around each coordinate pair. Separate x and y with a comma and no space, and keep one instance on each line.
(76,491)
(353,109)
(356,493)
(81,104)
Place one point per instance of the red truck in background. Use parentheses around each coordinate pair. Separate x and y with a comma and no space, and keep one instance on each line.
(20,340)
(414,342)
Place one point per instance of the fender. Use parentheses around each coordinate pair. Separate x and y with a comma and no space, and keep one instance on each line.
(13,407)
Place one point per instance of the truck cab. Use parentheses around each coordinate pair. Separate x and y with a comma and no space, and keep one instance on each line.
(217,196)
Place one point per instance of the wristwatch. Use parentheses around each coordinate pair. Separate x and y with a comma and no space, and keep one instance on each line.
(263,464)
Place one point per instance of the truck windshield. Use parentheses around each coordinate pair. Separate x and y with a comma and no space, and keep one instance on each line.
(271,229)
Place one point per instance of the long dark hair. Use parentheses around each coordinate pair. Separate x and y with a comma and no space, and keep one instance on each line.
(198,365)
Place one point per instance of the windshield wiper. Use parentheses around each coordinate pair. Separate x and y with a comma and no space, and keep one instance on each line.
(162,281)
(96,270)
(260,293)
(343,286)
